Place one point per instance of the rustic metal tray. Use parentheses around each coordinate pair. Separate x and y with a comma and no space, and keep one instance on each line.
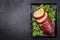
(54,6)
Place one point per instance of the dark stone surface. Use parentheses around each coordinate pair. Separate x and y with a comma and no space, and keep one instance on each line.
(15,19)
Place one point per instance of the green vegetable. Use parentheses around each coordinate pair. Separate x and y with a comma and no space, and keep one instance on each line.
(35,28)
(41,6)
(41,34)
(36,8)
(33,19)
(41,31)
(47,8)
(38,33)
(34,24)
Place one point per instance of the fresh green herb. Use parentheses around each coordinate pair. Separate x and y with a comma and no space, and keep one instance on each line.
(36,29)
(38,33)
(33,19)
(34,24)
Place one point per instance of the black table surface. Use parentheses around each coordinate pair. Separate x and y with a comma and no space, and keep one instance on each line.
(15,19)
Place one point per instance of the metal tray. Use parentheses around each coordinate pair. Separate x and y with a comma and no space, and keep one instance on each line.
(54,6)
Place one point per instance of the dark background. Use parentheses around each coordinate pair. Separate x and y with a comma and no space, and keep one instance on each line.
(15,19)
